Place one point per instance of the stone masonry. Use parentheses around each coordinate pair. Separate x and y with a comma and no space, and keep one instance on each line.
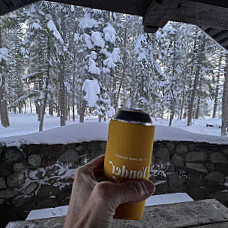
(41,176)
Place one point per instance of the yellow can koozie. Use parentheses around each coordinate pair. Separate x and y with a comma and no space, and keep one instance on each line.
(128,155)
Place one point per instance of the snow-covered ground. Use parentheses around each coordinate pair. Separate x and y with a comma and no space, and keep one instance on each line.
(151,201)
(93,130)
(22,124)
(198,126)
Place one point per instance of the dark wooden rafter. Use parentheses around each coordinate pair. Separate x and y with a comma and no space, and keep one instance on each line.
(7,6)
(221,36)
(219,3)
(211,16)
(133,7)
(159,13)
(202,15)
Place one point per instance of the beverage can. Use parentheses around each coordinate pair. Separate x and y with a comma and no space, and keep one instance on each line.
(128,154)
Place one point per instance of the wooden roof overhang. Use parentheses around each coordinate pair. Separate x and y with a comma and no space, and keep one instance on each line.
(210,15)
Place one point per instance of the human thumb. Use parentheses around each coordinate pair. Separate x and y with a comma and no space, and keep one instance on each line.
(131,191)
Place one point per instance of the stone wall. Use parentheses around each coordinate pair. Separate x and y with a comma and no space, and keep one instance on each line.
(39,176)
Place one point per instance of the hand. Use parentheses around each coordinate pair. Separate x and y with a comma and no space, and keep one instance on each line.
(93,201)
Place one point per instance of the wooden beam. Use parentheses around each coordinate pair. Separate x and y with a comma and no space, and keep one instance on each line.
(211,31)
(202,15)
(224,42)
(3,6)
(221,35)
(150,29)
(7,6)
(159,13)
(219,3)
(134,7)
(204,30)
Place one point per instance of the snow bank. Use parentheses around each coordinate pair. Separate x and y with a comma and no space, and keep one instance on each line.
(74,133)
(85,132)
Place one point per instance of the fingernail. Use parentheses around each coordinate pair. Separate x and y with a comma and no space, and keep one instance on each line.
(149,187)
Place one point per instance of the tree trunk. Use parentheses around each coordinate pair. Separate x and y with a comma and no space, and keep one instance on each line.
(30,104)
(66,105)
(51,108)
(20,108)
(172,106)
(182,105)
(73,88)
(217,89)
(196,81)
(3,102)
(46,88)
(62,107)
(198,100)
(61,78)
(198,108)
(124,67)
(57,103)
(82,110)
(224,127)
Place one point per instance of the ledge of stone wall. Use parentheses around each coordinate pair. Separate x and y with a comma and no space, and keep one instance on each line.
(203,213)
(40,176)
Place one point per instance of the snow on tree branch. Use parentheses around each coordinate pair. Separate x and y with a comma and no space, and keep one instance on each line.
(92,90)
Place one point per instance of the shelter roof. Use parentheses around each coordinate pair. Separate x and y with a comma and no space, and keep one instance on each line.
(210,15)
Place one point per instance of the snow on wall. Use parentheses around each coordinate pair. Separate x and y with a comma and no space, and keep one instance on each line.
(92,131)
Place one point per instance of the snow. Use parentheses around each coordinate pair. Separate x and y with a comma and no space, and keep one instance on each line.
(72,8)
(76,37)
(89,131)
(168,199)
(88,22)
(151,201)
(111,112)
(47,213)
(114,55)
(27,76)
(72,133)
(52,27)
(109,63)
(197,126)
(93,68)
(139,50)
(88,41)
(3,54)
(93,55)
(36,25)
(97,39)
(22,50)
(92,90)
(110,33)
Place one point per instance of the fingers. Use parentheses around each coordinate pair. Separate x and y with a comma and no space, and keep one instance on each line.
(95,164)
(93,171)
(130,191)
